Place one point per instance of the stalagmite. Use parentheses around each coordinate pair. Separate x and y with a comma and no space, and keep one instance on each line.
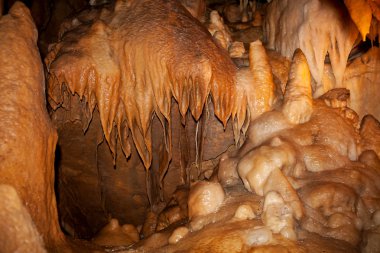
(254,96)
(310,165)
(115,235)
(298,102)
(262,79)
(370,132)
(254,88)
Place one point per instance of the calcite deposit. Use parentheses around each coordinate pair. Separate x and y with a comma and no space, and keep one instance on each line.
(19,233)
(27,135)
(176,126)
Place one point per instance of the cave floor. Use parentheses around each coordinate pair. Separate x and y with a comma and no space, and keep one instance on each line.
(222,233)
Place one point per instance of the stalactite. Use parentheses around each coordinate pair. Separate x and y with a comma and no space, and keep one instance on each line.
(361,13)
(130,64)
(302,24)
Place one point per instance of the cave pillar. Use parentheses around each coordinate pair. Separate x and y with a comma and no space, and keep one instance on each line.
(28,139)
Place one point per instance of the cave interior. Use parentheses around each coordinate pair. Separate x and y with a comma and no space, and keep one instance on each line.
(190,126)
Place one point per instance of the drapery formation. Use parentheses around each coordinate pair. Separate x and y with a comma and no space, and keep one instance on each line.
(302,24)
(130,60)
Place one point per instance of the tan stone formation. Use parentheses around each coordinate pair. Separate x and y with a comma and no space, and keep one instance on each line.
(229,235)
(178,234)
(244,212)
(311,167)
(27,136)
(18,232)
(176,210)
(298,104)
(236,49)
(115,235)
(308,30)
(254,89)
(315,37)
(361,78)
(369,131)
(361,13)
(219,30)
(205,198)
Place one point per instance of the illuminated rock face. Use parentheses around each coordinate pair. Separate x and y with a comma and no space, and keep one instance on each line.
(317,176)
(320,40)
(309,31)
(304,165)
(27,136)
(18,231)
(219,30)
(312,167)
(205,198)
(115,235)
(361,78)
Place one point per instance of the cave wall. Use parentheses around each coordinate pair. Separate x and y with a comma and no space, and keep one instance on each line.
(92,188)
(27,136)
